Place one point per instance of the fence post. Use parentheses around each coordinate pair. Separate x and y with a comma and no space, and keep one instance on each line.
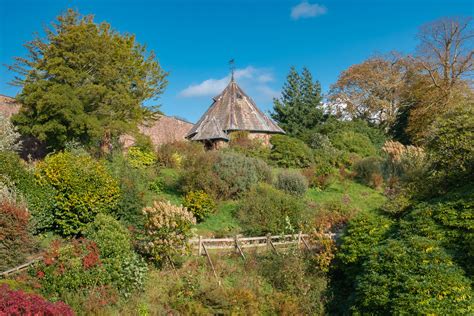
(269,241)
(299,240)
(237,247)
(236,240)
(200,246)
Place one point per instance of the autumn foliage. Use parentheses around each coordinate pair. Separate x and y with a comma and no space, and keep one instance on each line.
(15,241)
(16,303)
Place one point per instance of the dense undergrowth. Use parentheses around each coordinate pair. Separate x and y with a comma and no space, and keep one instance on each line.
(403,226)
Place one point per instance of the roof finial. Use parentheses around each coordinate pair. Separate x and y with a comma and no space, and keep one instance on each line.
(232,68)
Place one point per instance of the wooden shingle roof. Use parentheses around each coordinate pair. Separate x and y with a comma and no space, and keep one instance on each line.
(232,110)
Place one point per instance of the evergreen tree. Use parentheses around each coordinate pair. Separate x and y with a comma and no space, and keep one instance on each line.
(84,82)
(299,109)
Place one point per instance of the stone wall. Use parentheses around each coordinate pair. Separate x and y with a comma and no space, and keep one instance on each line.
(165,130)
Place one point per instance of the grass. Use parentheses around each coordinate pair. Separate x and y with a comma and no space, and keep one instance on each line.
(221,223)
(360,196)
(192,289)
(168,181)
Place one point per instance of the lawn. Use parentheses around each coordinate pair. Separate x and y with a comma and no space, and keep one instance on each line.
(355,194)
(221,223)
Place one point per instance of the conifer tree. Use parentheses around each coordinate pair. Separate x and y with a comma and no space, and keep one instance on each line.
(84,82)
(299,109)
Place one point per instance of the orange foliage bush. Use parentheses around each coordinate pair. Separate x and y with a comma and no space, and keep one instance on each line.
(15,240)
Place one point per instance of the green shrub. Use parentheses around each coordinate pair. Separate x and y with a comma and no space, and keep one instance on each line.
(39,198)
(265,209)
(449,221)
(167,230)
(238,173)
(332,125)
(414,276)
(223,174)
(200,204)
(241,142)
(369,171)
(319,176)
(140,158)
(83,189)
(133,189)
(174,155)
(110,236)
(450,145)
(292,182)
(290,152)
(319,141)
(15,240)
(70,268)
(83,271)
(294,273)
(323,151)
(126,269)
(353,142)
(198,174)
(362,234)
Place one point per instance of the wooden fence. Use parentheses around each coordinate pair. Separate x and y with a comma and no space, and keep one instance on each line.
(19,268)
(202,246)
(238,243)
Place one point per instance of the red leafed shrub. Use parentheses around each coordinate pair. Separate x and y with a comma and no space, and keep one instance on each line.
(70,267)
(15,241)
(91,259)
(13,303)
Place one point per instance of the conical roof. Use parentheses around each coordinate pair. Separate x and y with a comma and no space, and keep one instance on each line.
(210,129)
(232,110)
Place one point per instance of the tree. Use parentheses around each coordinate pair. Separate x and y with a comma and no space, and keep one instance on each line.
(451,145)
(370,90)
(444,65)
(84,82)
(445,53)
(300,107)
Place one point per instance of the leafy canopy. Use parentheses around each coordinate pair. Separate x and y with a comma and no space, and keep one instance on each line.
(300,107)
(84,81)
(83,188)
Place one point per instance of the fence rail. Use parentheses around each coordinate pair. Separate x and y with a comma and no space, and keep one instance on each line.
(203,245)
(238,242)
(20,267)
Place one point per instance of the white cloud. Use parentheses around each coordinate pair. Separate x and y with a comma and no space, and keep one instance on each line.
(267,92)
(307,10)
(265,78)
(207,87)
(212,86)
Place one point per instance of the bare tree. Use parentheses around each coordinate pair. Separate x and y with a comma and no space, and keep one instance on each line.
(442,70)
(445,54)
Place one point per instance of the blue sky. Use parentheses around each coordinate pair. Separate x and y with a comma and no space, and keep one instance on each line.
(194,40)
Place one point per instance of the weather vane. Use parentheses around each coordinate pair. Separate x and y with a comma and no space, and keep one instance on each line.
(232,67)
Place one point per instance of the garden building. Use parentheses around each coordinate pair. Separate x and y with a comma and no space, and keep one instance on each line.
(232,110)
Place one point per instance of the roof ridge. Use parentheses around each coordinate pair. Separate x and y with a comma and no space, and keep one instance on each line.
(234,110)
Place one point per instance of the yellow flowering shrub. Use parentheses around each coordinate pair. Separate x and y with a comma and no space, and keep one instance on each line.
(167,229)
(140,158)
(200,204)
(82,189)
